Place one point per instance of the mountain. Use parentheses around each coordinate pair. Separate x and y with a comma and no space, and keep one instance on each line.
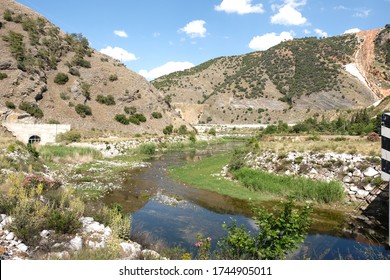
(58,78)
(289,82)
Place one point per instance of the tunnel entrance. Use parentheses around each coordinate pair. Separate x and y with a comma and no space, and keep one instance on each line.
(34,139)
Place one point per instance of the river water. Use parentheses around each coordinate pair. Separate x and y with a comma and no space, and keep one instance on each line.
(174,213)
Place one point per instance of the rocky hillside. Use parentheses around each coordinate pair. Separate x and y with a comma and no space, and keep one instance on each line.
(291,81)
(58,78)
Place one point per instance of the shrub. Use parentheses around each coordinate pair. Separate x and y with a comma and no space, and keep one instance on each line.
(3,76)
(83,110)
(133,119)
(64,96)
(107,100)
(148,149)
(68,137)
(182,129)
(130,110)
(280,234)
(61,79)
(7,15)
(373,137)
(32,109)
(113,77)
(168,129)
(10,105)
(157,115)
(212,131)
(122,119)
(140,117)
(34,181)
(85,90)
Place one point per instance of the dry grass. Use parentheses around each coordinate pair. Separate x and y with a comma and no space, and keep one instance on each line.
(338,144)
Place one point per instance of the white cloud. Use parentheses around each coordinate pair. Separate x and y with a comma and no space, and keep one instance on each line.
(320,32)
(352,30)
(118,53)
(340,7)
(268,40)
(362,13)
(156,34)
(120,33)
(288,15)
(306,31)
(195,29)
(240,7)
(167,68)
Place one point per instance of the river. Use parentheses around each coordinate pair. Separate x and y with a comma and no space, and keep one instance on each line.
(174,213)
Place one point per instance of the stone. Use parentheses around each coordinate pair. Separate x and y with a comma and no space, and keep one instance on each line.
(4,65)
(313,171)
(370,172)
(357,173)
(10,236)
(131,249)
(44,233)
(353,189)
(369,187)
(347,179)
(94,226)
(2,217)
(76,243)
(150,255)
(86,220)
(22,247)
(362,193)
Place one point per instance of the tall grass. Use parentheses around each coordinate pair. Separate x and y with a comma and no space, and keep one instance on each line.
(48,152)
(300,188)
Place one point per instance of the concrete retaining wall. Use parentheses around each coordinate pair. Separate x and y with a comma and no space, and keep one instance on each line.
(47,132)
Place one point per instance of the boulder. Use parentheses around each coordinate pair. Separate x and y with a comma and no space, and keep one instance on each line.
(131,249)
(362,193)
(370,172)
(76,243)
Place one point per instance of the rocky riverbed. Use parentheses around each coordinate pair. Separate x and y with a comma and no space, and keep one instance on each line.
(92,235)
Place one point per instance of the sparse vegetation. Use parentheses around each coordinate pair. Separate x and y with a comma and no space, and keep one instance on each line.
(107,100)
(157,115)
(32,109)
(69,137)
(61,79)
(113,77)
(3,76)
(83,110)
(10,105)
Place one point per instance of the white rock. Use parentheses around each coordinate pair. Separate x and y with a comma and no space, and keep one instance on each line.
(150,254)
(44,233)
(370,172)
(357,173)
(86,220)
(107,232)
(313,171)
(347,179)
(369,187)
(95,226)
(362,193)
(353,189)
(10,236)
(7,220)
(22,247)
(76,243)
(131,249)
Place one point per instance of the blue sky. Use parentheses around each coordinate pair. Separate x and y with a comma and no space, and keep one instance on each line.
(154,37)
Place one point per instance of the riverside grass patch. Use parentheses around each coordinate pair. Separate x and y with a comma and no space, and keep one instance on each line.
(49,152)
(300,188)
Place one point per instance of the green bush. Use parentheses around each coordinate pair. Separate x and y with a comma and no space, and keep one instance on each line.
(157,115)
(32,109)
(113,77)
(61,79)
(7,15)
(148,149)
(182,129)
(133,119)
(168,129)
(68,137)
(107,100)
(83,110)
(10,105)
(122,119)
(212,131)
(3,76)
(64,96)
(280,234)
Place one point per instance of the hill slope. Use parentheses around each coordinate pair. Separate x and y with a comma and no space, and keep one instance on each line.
(58,77)
(288,82)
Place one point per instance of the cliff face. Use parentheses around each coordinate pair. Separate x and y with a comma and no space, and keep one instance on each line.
(58,77)
(289,82)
